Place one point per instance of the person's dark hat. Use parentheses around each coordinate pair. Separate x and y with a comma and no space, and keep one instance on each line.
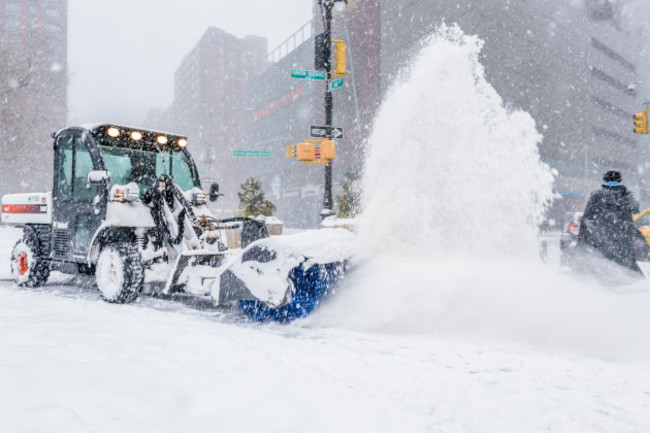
(613,176)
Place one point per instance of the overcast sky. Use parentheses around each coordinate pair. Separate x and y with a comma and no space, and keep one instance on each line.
(122,54)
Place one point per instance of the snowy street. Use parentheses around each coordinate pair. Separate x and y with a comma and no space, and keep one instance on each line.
(333,216)
(70,359)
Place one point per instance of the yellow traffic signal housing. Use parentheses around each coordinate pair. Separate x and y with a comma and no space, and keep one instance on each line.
(339,59)
(641,122)
(306,152)
(291,151)
(328,149)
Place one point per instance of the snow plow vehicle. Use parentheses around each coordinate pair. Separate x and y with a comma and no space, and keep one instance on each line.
(126,202)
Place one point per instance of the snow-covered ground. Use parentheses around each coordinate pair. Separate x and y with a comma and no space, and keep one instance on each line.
(449,361)
(449,324)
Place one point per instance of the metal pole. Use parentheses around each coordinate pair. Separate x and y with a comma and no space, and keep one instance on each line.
(327,198)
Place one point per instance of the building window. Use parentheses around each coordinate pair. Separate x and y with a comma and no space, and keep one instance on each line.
(12,24)
(611,54)
(53,13)
(601,10)
(600,103)
(600,75)
(53,29)
(12,8)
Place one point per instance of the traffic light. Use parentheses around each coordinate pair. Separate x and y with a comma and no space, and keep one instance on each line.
(291,151)
(327,149)
(641,122)
(322,52)
(339,59)
(306,152)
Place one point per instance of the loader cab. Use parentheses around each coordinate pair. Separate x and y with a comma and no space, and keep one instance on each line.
(77,209)
(90,167)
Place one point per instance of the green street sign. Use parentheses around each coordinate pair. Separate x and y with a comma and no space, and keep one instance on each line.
(336,83)
(310,75)
(254,153)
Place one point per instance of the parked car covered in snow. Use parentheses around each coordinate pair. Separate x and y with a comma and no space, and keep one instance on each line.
(642,224)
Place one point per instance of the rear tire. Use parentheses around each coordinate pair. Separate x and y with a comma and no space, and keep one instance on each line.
(27,267)
(119,273)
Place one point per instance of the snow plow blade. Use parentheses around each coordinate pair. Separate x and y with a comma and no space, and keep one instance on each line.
(280,278)
(194,269)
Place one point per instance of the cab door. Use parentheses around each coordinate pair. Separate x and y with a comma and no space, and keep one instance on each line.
(78,207)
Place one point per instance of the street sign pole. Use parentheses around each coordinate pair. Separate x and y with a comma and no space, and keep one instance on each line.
(327,197)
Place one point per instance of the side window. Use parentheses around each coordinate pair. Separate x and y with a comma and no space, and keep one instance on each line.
(64,168)
(118,163)
(162,163)
(83,164)
(176,163)
(181,171)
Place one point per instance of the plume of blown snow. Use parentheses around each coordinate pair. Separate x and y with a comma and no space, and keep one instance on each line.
(448,168)
(454,189)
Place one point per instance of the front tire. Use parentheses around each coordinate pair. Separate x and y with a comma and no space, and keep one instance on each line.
(27,267)
(119,273)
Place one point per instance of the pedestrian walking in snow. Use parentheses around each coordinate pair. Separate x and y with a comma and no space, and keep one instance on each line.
(607,230)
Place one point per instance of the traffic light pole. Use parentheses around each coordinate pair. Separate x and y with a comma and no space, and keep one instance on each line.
(327,198)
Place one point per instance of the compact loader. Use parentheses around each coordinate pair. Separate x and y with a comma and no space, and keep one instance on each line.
(126,200)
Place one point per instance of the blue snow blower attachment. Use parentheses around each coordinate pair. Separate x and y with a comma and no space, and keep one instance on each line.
(284,278)
(311,287)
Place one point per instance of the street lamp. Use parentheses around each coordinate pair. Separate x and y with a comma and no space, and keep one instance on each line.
(326,9)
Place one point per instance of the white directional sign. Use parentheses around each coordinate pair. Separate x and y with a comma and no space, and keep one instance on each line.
(326,131)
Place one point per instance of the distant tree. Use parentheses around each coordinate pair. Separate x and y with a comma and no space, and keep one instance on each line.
(350,199)
(252,201)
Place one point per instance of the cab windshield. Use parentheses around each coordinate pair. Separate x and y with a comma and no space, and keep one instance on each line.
(144,165)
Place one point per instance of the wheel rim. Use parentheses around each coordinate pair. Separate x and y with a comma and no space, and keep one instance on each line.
(110,275)
(22,264)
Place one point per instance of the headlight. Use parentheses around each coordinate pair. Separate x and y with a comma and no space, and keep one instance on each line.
(125,193)
(195,196)
(198,198)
